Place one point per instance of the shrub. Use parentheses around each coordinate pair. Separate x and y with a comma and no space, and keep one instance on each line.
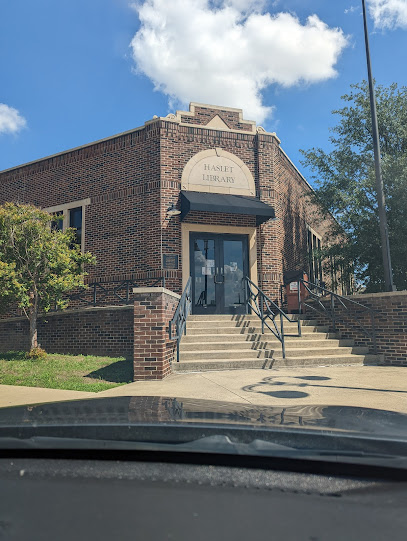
(37,354)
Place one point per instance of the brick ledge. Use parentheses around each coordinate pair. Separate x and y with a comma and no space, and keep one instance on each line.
(144,290)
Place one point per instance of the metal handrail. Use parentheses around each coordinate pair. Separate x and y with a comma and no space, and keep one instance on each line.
(178,324)
(266,309)
(123,285)
(336,300)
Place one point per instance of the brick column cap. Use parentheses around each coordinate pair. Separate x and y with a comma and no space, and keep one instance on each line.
(144,290)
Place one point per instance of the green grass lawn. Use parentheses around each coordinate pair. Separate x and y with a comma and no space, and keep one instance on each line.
(72,372)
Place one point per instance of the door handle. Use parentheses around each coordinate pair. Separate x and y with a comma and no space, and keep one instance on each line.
(216,273)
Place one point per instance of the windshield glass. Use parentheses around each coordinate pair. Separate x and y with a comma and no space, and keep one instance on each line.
(202,224)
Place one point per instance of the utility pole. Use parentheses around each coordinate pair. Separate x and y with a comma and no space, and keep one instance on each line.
(384,232)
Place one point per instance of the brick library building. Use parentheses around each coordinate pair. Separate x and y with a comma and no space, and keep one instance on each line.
(202,202)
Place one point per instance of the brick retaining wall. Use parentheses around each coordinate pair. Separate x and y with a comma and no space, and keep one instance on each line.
(390,323)
(90,331)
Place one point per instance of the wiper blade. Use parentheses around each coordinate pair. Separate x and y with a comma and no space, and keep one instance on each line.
(217,444)
(209,444)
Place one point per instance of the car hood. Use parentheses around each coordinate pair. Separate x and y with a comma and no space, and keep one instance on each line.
(172,411)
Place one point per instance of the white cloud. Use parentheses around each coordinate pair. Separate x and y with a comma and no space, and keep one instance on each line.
(389,13)
(225,52)
(351,9)
(10,119)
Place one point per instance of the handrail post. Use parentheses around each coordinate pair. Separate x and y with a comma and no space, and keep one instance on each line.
(261,314)
(94,294)
(179,319)
(333,312)
(282,334)
(372,319)
(299,308)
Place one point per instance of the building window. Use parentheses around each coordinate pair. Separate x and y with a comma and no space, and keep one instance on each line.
(314,257)
(75,221)
(57,224)
(73,216)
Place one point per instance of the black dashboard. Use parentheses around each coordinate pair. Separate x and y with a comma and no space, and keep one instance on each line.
(118,499)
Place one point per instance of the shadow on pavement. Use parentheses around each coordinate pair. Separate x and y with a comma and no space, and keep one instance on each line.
(118,372)
(313,378)
(273,381)
(285,394)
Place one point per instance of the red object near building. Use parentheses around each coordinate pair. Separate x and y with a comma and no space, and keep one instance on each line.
(292,286)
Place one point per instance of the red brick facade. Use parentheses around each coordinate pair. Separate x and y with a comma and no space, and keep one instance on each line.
(130,181)
(132,178)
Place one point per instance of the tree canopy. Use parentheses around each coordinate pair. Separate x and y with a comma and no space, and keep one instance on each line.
(345,183)
(38,262)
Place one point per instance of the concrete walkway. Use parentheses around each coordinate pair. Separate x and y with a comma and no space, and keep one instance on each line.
(15,395)
(364,386)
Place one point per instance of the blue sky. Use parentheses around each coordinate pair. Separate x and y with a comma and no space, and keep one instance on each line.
(74,71)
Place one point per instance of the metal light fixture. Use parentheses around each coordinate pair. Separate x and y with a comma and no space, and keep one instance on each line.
(172,211)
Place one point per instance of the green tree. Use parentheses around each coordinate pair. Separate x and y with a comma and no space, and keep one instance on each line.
(38,263)
(345,182)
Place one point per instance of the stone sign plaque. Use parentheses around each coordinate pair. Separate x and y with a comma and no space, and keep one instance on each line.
(217,171)
(170,261)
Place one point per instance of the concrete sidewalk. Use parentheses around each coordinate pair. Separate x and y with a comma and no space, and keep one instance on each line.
(16,395)
(363,386)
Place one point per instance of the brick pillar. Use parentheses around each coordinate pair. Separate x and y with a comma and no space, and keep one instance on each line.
(154,307)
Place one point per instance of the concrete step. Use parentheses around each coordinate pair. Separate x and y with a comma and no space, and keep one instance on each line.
(198,345)
(251,330)
(289,362)
(258,337)
(319,352)
(275,352)
(328,360)
(220,364)
(252,322)
(238,318)
(211,346)
(231,354)
(228,342)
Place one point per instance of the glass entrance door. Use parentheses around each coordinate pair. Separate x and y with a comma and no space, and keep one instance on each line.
(218,265)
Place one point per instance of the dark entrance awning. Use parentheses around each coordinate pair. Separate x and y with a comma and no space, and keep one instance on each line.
(227,204)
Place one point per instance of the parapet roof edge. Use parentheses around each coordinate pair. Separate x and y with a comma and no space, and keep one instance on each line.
(296,168)
(67,151)
(171,117)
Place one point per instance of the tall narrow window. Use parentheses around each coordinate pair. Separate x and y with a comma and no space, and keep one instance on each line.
(310,258)
(57,224)
(75,221)
(314,257)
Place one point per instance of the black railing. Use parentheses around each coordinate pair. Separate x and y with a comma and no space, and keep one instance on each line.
(267,310)
(121,290)
(330,304)
(178,324)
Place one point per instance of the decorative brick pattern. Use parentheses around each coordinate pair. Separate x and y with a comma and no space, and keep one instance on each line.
(153,350)
(203,115)
(390,323)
